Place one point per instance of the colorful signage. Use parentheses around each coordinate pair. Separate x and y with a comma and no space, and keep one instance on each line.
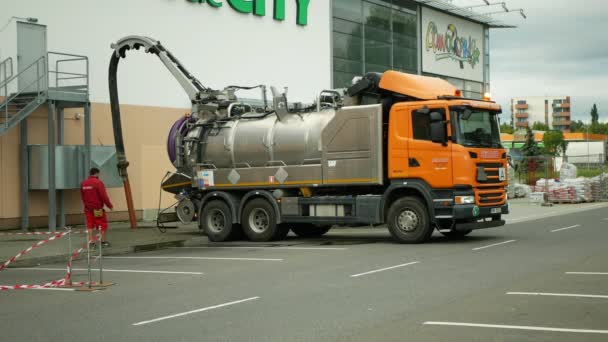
(258,7)
(451,46)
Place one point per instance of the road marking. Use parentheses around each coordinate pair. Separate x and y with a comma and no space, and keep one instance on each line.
(566,228)
(195,311)
(518,327)
(106,270)
(384,269)
(557,294)
(493,245)
(588,273)
(266,247)
(194,258)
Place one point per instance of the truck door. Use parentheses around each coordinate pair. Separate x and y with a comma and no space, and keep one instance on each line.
(428,160)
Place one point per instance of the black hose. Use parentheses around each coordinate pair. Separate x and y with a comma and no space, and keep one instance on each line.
(116,122)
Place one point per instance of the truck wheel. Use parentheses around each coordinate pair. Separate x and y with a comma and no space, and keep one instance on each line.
(408,221)
(260,223)
(216,221)
(456,234)
(309,230)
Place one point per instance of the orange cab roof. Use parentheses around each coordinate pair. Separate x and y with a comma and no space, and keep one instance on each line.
(420,87)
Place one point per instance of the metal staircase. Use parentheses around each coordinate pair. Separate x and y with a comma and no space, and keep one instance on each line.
(21,94)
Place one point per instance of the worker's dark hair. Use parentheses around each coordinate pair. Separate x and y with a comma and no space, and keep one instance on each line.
(94,171)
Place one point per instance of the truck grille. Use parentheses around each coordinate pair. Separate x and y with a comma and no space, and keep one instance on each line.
(488,198)
(491,171)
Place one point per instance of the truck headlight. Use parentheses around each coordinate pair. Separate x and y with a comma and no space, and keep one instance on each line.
(464,200)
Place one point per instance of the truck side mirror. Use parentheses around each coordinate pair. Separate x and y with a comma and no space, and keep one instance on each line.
(438,128)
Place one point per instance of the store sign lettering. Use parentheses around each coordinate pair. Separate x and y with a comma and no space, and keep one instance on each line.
(449,45)
(258,7)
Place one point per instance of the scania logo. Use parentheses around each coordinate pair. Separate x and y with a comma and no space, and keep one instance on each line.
(258,7)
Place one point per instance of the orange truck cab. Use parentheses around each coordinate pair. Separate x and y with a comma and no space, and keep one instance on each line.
(443,150)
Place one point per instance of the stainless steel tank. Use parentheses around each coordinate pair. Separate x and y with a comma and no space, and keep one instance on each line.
(268,141)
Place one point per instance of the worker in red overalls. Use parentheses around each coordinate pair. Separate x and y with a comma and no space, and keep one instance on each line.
(94,197)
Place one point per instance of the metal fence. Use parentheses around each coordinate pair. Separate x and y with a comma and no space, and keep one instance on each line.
(559,180)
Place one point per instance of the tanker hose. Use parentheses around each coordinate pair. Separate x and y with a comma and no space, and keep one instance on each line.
(118,138)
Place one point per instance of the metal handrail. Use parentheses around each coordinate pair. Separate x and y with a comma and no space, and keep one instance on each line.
(3,66)
(75,58)
(39,76)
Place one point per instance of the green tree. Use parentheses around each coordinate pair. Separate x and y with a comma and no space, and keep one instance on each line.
(506,128)
(594,115)
(577,126)
(539,126)
(530,147)
(554,142)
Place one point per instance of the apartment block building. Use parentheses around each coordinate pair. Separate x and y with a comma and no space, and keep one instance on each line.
(554,111)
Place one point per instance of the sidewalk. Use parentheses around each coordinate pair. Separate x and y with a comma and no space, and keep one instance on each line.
(148,237)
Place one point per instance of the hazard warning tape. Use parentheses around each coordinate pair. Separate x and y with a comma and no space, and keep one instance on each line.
(55,283)
(34,246)
(68,276)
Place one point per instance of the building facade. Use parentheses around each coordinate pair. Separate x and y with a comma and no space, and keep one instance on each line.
(307,46)
(553,111)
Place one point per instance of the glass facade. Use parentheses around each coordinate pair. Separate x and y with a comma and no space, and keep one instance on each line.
(373,36)
(380,35)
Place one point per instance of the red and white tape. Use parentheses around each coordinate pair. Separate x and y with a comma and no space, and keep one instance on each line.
(68,276)
(55,283)
(34,246)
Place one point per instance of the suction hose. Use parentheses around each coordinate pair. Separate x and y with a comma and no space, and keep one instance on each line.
(118,138)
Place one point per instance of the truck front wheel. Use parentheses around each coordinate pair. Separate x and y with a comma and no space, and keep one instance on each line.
(216,221)
(408,221)
(260,223)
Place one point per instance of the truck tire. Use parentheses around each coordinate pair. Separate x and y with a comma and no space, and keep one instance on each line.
(408,221)
(309,230)
(260,223)
(216,221)
(456,234)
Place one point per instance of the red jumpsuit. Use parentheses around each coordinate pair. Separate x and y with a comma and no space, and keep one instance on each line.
(94,196)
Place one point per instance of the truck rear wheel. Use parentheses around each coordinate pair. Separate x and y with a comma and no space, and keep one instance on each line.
(216,221)
(408,221)
(309,230)
(260,223)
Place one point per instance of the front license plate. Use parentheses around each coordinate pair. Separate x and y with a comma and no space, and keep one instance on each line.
(496,210)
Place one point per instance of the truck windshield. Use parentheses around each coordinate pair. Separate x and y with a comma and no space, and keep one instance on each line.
(476,128)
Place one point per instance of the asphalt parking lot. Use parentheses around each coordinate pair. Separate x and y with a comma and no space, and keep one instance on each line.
(542,280)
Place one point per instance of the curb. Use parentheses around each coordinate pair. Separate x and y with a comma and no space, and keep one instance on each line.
(146,247)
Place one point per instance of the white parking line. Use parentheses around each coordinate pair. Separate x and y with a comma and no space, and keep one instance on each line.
(588,273)
(518,327)
(557,294)
(105,270)
(493,245)
(266,247)
(195,311)
(384,269)
(194,258)
(565,228)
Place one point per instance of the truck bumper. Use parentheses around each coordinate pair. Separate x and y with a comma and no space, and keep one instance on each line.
(482,220)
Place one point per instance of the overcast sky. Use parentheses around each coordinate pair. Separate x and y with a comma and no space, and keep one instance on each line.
(561,49)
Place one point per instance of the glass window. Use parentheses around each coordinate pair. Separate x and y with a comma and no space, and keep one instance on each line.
(373,36)
(421,126)
(521,102)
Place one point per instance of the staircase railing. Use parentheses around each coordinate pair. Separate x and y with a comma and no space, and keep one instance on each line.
(38,85)
(6,71)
